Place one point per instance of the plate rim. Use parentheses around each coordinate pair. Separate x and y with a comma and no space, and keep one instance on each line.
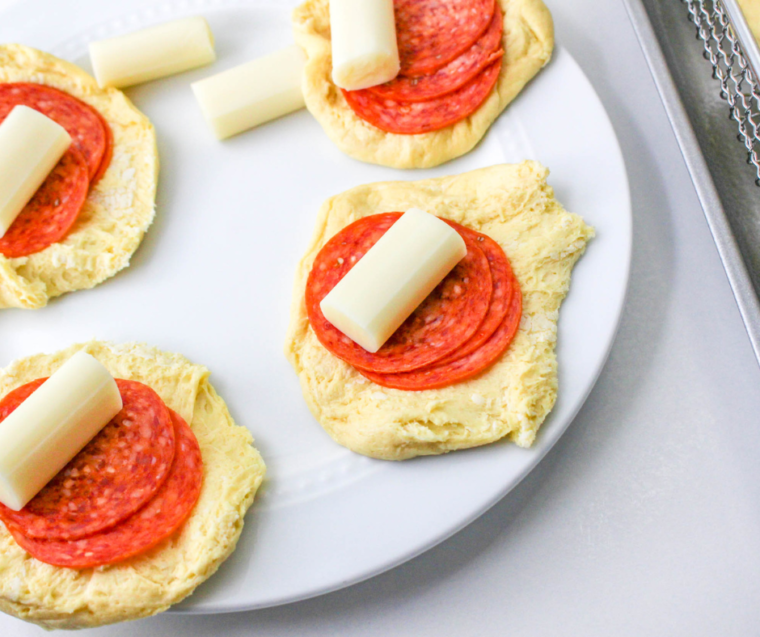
(540,449)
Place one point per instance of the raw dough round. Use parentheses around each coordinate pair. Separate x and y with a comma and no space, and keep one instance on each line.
(148,584)
(513,205)
(528,42)
(119,207)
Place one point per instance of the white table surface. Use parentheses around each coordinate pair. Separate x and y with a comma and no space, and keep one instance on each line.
(645,518)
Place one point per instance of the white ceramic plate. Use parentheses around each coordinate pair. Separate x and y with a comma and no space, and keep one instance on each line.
(213,281)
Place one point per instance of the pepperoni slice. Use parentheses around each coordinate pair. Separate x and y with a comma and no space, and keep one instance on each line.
(105,162)
(454,75)
(431,33)
(88,130)
(461,369)
(445,320)
(503,288)
(53,209)
(115,474)
(156,521)
(414,118)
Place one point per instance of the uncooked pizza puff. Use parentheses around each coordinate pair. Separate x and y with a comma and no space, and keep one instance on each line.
(528,42)
(119,207)
(515,207)
(233,470)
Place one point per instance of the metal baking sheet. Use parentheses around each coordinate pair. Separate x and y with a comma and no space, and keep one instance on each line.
(724,182)
(744,33)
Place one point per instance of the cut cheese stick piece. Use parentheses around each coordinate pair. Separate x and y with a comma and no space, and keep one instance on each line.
(53,425)
(151,53)
(31,144)
(388,283)
(252,93)
(364,48)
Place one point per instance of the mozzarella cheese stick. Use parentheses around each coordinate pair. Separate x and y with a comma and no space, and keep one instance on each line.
(151,53)
(388,283)
(51,426)
(364,48)
(31,144)
(252,93)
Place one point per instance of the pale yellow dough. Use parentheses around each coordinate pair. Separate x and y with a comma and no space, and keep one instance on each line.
(751,9)
(510,203)
(233,470)
(119,208)
(528,45)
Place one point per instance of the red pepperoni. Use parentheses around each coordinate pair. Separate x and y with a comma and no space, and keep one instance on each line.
(414,118)
(160,518)
(431,33)
(501,297)
(105,162)
(445,320)
(88,130)
(14,398)
(115,474)
(454,75)
(53,209)
(444,374)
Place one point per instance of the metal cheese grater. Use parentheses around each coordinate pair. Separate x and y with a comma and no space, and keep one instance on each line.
(731,49)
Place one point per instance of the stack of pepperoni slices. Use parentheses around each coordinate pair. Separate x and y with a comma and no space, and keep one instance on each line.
(451,54)
(458,331)
(131,487)
(51,213)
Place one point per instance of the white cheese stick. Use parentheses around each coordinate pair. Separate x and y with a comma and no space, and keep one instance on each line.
(252,93)
(151,53)
(31,144)
(364,48)
(388,283)
(51,426)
